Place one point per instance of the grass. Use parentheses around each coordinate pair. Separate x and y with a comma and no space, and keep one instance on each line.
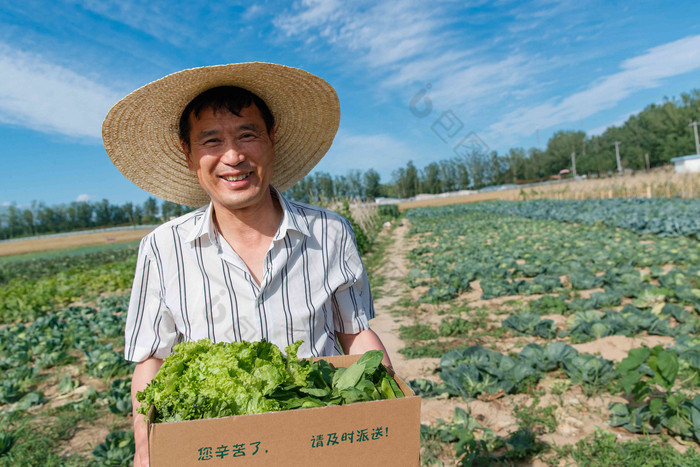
(458,327)
(602,449)
(376,258)
(417,332)
(39,440)
(539,420)
(430,350)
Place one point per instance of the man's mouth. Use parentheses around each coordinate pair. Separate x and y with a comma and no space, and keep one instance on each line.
(236,178)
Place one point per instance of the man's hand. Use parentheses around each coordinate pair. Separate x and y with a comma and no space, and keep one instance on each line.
(361,342)
(143,374)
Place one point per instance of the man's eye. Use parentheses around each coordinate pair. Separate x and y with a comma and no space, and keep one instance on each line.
(212,141)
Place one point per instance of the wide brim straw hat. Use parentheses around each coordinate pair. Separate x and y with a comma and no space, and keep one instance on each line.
(141,132)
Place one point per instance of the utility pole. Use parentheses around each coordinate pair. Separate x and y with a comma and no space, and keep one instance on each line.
(573,163)
(697,142)
(617,156)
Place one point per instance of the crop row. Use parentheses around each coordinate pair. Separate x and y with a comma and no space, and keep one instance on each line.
(666,217)
(513,256)
(648,377)
(48,264)
(23,300)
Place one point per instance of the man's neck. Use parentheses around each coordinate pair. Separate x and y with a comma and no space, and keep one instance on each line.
(251,223)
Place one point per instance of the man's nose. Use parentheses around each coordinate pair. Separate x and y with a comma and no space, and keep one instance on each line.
(232,154)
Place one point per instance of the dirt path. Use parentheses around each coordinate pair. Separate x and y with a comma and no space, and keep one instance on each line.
(387,324)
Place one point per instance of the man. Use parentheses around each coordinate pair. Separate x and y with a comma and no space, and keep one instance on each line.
(249,264)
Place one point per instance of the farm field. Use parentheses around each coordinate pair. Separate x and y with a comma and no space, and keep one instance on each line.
(19,247)
(536,335)
(550,342)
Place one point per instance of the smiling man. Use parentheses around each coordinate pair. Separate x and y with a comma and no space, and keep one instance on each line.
(249,264)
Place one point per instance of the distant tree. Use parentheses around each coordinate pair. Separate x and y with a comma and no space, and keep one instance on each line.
(517,161)
(412,182)
(559,149)
(479,169)
(461,173)
(28,227)
(430,179)
(342,187)
(324,186)
(371,184)
(355,188)
(102,213)
(150,211)
(498,168)
(449,180)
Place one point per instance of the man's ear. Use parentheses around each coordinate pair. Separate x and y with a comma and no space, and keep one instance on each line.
(188,155)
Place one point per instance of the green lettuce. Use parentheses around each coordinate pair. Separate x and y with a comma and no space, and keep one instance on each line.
(206,380)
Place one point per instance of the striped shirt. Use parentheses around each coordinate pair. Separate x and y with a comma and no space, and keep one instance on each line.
(190,284)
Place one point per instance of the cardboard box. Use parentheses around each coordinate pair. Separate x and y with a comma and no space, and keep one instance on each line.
(381,433)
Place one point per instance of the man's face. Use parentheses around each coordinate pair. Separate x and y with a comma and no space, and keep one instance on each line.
(232,156)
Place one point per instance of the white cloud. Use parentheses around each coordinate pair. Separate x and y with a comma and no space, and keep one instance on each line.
(412,41)
(380,152)
(385,33)
(37,94)
(5,204)
(83,197)
(642,72)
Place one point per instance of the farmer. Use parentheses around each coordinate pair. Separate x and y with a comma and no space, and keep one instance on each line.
(249,264)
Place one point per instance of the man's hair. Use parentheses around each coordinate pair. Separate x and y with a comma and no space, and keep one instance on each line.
(231,98)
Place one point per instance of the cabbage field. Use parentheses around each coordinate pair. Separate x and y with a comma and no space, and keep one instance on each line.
(65,390)
(538,332)
(578,320)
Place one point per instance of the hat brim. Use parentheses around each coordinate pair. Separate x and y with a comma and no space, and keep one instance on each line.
(141,131)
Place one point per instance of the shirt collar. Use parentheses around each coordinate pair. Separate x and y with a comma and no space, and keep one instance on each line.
(204,225)
(292,219)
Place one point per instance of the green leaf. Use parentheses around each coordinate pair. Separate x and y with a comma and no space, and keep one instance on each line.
(316,392)
(629,381)
(634,358)
(371,360)
(350,377)
(386,389)
(667,368)
(655,406)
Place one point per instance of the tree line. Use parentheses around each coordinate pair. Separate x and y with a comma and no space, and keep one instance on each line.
(654,136)
(40,218)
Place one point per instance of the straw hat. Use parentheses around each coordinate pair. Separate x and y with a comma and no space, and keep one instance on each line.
(140,132)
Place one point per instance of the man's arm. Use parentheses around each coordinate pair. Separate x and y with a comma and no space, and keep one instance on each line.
(143,374)
(361,342)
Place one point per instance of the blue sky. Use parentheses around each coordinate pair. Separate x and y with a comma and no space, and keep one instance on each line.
(501,74)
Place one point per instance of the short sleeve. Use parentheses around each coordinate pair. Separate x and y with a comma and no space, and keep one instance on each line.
(150,329)
(352,302)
